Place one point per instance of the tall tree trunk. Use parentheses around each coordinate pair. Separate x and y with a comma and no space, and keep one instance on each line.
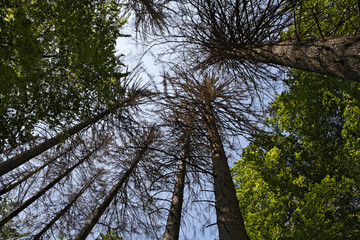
(27,176)
(67,207)
(32,199)
(229,219)
(22,158)
(334,56)
(85,231)
(173,222)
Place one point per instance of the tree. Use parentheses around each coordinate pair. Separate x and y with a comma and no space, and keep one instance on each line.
(174,217)
(58,64)
(68,206)
(189,165)
(25,156)
(248,33)
(300,181)
(36,196)
(148,140)
(11,186)
(297,180)
(229,218)
(66,94)
(71,76)
(220,108)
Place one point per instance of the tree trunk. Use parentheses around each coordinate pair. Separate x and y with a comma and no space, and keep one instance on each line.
(85,231)
(68,206)
(32,199)
(336,56)
(229,219)
(22,158)
(173,222)
(27,176)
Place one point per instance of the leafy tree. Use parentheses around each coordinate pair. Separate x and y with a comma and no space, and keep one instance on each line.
(301,181)
(58,63)
(314,19)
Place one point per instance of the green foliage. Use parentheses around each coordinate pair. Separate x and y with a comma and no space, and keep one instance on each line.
(11,230)
(57,63)
(110,235)
(322,18)
(301,181)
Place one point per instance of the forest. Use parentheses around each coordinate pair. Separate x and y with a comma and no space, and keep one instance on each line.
(246,125)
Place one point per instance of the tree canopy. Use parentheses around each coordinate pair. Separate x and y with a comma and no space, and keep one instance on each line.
(58,63)
(301,180)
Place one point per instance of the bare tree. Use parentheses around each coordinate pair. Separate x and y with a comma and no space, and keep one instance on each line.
(68,206)
(242,32)
(36,196)
(225,109)
(30,174)
(174,217)
(150,15)
(22,158)
(148,139)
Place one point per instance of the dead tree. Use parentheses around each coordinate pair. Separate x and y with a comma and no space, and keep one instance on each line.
(85,231)
(246,33)
(224,109)
(174,217)
(67,207)
(22,158)
(11,186)
(229,219)
(41,192)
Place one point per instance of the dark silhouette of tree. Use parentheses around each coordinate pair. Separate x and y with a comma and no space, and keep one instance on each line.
(189,164)
(151,16)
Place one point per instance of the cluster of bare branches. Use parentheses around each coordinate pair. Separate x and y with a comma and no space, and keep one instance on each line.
(94,173)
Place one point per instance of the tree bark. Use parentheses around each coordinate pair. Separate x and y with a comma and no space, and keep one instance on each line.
(229,219)
(32,199)
(67,207)
(22,158)
(85,231)
(173,222)
(336,56)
